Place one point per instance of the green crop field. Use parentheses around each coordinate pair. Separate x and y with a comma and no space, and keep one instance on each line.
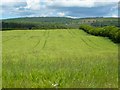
(60,58)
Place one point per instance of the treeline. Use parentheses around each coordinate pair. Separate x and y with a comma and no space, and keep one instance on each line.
(54,23)
(105,23)
(111,32)
(29,26)
(14,25)
(38,23)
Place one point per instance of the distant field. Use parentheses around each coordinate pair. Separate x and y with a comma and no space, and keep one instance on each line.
(62,58)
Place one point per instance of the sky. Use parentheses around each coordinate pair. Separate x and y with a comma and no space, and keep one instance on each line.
(58,8)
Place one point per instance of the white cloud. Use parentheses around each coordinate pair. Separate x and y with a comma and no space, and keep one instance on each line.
(33,4)
(11,1)
(36,4)
(61,14)
(68,8)
(70,3)
(114,15)
(79,3)
(72,17)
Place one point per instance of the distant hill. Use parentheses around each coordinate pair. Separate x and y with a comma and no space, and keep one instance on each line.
(55,22)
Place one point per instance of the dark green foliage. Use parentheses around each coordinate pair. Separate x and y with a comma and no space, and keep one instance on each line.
(111,32)
(15,25)
(106,23)
(53,22)
(39,23)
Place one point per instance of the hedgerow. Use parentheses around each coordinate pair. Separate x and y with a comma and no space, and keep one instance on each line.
(111,32)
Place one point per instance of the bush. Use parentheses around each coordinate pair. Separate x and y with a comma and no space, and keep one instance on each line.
(111,32)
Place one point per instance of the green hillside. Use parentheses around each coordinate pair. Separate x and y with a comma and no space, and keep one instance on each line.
(55,22)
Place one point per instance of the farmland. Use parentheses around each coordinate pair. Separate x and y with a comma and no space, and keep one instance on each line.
(61,58)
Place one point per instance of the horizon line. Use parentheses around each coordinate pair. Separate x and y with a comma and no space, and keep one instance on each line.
(60,17)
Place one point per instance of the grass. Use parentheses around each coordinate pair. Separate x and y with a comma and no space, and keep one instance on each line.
(58,59)
(0,60)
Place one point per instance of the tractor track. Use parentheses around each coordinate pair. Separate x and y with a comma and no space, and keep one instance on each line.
(86,43)
(73,33)
(45,42)
(93,42)
(82,40)
(97,46)
(70,33)
(89,41)
(32,37)
(38,42)
(13,37)
(9,39)
(46,35)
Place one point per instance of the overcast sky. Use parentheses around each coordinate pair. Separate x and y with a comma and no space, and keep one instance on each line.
(59,8)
